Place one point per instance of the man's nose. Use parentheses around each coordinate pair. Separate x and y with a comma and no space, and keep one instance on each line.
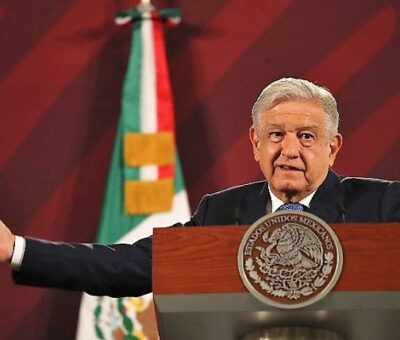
(290,146)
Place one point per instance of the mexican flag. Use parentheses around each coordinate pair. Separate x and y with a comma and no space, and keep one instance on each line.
(145,187)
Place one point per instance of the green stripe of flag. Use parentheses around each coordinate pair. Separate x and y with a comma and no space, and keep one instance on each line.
(130,105)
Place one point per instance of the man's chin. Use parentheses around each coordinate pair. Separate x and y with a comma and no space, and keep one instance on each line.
(290,186)
(289,191)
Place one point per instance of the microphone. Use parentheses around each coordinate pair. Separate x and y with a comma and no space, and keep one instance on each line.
(236,215)
(342,211)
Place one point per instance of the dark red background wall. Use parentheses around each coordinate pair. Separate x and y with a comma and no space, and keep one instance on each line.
(61,69)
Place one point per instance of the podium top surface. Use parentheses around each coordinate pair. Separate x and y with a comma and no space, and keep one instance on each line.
(204,259)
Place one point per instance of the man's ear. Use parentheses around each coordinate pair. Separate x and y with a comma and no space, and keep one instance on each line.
(335,145)
(255,142)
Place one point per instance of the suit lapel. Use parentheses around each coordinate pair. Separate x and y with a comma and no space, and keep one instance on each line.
(326,200)
(255,205)
(324,203)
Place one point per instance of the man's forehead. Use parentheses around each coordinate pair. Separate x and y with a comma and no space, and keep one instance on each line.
(316,120)
(295,111)
(272,125)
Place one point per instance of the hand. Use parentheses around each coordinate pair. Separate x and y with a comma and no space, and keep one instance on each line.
(7,239)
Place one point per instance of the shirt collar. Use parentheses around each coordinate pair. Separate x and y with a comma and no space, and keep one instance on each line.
(276,202)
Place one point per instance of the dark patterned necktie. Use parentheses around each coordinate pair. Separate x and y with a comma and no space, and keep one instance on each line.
(291,206)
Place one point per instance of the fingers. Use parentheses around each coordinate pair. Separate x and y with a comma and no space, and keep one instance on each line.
(7,239)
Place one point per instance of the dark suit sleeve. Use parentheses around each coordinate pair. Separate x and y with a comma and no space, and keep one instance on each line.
(115,270)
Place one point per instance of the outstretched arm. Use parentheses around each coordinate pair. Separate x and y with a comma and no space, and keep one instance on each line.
(114,270)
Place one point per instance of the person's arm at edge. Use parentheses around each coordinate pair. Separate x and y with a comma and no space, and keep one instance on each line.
(46,264)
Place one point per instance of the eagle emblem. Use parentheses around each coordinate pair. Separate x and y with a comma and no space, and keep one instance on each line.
(290,259)
(292,245)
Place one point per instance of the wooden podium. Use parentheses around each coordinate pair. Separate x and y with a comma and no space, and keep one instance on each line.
(199,294)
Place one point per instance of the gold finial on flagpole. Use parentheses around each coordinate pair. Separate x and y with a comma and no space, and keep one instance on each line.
(145,6)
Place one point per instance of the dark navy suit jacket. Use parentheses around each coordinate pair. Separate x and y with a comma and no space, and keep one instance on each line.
(125,270)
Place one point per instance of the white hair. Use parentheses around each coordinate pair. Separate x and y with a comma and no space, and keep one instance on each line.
(288,89)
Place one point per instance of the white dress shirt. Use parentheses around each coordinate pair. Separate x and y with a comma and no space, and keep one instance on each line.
(276,202)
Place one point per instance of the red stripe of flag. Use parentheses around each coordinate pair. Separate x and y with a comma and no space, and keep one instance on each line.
(165,110)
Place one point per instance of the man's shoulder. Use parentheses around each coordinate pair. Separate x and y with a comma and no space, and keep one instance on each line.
(369,190)
(242,189)
(367,182)
(370,199)
(240,204)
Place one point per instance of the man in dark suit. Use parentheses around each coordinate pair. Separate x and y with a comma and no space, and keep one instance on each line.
(295,140)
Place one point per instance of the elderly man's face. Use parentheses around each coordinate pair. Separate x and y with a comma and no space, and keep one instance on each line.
(294,148)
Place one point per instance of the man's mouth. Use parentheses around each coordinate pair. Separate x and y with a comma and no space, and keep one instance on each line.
(285,167)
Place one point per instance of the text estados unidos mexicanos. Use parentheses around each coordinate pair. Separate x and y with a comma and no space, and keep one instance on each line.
(283,219)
